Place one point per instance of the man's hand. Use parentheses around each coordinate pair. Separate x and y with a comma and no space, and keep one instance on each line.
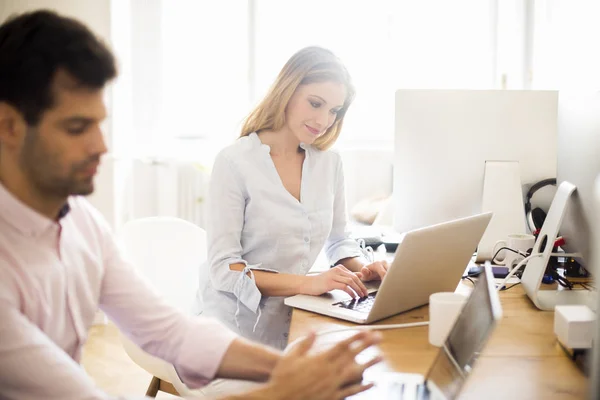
(331,374)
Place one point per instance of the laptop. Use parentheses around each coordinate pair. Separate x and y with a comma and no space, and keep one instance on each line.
(455,359)
(428,260)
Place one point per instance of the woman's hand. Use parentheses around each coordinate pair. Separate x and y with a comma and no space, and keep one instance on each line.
(338,277)
(374,271)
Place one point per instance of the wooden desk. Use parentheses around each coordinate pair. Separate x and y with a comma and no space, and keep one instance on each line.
(522,360)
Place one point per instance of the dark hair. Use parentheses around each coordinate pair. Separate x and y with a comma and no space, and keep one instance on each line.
(34,46)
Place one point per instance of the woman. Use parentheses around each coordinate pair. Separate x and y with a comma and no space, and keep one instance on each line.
(277,198)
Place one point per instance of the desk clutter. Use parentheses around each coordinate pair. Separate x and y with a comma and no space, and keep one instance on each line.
(575,327)
(375,236)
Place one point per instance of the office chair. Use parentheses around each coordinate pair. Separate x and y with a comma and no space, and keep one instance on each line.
(168,252)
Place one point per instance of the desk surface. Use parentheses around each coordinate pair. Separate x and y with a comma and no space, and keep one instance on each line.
(522,360)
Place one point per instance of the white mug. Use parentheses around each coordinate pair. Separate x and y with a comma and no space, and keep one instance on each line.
(517,241)
(444,309)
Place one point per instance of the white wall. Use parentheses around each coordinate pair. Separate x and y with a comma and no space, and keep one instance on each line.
(97,15)
(94,13)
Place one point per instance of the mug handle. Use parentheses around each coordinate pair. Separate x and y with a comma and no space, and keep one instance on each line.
(499,244)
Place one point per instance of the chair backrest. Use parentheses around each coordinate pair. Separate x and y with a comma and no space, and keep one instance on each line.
(169,253)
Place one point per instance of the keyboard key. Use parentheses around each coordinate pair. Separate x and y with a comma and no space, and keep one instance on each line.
(363,304)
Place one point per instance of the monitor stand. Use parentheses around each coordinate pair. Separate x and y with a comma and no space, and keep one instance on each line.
(536,266)
(502,195)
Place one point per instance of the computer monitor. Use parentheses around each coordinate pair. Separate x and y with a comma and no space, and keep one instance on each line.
(579,164)
(595,377)
(443,139)
(469,334)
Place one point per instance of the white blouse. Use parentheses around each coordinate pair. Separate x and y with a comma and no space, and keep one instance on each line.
(254,220)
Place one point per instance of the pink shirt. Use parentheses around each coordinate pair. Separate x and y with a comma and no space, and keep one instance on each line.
(53,278)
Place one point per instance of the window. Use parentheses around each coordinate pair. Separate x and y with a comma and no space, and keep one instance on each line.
(204,69)
(183,84)
(386,45)
(194,69)
(565,52)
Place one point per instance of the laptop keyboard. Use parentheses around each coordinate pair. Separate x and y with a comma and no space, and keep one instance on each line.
(362,304)
(396,391)
(420,392)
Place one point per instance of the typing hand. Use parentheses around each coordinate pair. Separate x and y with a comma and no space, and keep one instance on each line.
(374,271)
(330,374)
(338,277)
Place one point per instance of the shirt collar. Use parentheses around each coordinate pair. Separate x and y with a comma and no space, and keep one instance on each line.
(258,144)
(267,149)
(24,218)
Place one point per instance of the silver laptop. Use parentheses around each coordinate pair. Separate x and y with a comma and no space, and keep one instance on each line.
(456,357)
(428,260)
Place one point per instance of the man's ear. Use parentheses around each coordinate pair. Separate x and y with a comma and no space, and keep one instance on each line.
(12,125)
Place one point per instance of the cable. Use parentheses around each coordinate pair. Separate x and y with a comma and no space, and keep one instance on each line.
(562,281)
(510,287)
(571,255)
(364,328)
(508,248)
(589,287)
(469,279)
(583,285)
(515,269)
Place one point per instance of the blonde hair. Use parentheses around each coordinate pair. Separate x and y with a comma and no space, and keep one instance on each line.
(309,65)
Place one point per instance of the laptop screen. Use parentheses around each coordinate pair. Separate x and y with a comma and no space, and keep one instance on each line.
(465,341)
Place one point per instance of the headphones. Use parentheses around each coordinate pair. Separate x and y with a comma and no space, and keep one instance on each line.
(537,216)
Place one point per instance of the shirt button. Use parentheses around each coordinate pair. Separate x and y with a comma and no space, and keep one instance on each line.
(306,239)
(285,335)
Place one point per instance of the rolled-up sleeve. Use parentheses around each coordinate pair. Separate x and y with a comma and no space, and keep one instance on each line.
(339,245)
(226,204)
(194,345)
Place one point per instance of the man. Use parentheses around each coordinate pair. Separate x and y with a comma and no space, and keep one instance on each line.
(58,258)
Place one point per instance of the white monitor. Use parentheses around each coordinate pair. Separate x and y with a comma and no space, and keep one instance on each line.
(595,249)
(579,164)
(443,139)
